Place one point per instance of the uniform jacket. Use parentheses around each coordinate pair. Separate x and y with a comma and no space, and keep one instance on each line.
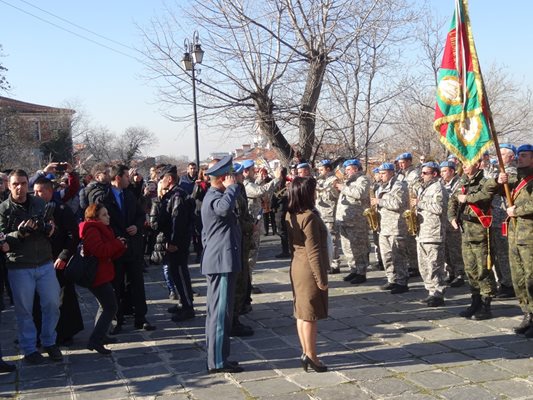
(246,222)
(221,234)
(412,176)
(327,196)
(254,192)
(100,241)
(479,191)
(31,251)
(353,199)
(393,200)
(521,228)
(499,202)
(431,212)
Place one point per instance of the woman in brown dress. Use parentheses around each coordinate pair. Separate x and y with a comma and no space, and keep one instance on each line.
(309,278)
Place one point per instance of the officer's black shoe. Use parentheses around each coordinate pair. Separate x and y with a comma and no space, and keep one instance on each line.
(174,309)
(183,315)
(505,292)
(246,308)
(387,286)
(334,270)
(231,368)
(527,321)
(435,301)
(283,255)
(358,279)
(241,330)
(397,289)
(529,332)
(457,282)
(5,367)
(472,308)
(350,276)
(483,311)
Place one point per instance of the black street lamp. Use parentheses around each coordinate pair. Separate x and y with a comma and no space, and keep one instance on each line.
(193,55)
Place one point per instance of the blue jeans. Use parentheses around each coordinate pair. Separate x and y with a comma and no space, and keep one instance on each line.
(24,283)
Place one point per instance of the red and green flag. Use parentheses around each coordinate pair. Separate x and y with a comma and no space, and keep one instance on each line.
(461,112)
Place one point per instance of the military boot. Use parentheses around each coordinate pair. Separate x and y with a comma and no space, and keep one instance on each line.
(484,312)
(524,325)
(473,307)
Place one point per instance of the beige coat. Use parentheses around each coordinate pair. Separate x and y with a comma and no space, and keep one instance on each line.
(309,265)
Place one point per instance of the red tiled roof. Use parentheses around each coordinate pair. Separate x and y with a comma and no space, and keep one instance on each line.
(29,108)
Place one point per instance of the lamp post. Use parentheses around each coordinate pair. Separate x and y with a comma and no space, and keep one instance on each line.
(193,55)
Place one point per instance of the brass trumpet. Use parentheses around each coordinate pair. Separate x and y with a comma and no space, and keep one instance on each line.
(411,220)
(372,215)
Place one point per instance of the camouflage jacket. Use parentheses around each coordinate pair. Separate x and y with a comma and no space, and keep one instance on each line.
(246,221)
(431,212)
(521,227)
(353,199)
(412,176)
(327,195)
(254,192)
(479,191)
(393,201)
(499,202)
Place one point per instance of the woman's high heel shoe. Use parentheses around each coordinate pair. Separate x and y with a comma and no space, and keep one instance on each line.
(99,348)
(306,362)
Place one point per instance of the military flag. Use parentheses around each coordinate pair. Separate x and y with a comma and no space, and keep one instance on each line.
(462,112)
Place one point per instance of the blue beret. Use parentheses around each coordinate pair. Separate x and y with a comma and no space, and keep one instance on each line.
(222,167)
(325,163)
(448,164)
(354,161)
(525,147)
(386,167)
(50,176)
(431,164)
(247,164)
(303,165)
(375,170)
(508,146)
(238,168)
(405,156)
(452,156)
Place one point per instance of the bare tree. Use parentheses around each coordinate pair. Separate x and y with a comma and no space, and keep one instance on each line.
(4,84)
(132,143)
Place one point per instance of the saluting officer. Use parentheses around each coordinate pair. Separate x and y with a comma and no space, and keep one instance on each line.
(469,208)
(326,204)
(520,231)
(354,197)
(221,261)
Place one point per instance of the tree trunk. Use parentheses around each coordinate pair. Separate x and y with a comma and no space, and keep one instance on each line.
(313,86)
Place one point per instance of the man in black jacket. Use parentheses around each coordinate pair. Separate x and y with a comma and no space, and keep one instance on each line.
(127,220)
(174,219)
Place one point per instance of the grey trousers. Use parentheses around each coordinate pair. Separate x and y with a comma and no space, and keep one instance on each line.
(393,256)
(431,265)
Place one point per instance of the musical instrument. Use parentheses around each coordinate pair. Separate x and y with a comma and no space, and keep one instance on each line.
(411,217)
(372,215)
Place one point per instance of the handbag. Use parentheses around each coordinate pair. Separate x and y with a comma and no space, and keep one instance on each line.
(81,269)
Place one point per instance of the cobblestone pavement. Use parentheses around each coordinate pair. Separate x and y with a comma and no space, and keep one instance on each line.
(376,345)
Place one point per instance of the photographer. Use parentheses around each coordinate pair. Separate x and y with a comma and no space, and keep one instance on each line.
(30,267)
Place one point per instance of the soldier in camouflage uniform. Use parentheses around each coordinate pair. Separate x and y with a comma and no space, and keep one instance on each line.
(431,206)
(469,207)
(392,199)
(246,224)
(410,174)
(520,231)
(499,246)
(326,204)
(452,247)
(376,184)
(354,197)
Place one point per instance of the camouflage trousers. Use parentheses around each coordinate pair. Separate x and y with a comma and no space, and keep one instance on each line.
(335,238)
(243,278)
(521,257)
(393,256)
(499,253)
(254,247)
(431,266)
(410,252)
(355,247)
(377,253)
(475,258)
(452,253)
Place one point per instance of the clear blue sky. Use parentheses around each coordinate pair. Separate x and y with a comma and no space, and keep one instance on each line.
(50,66)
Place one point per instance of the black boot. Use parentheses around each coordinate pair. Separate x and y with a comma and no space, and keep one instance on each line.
(474,306)
(525,324)
(483,312)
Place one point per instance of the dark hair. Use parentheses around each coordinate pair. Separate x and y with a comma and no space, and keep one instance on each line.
(118,170)
(44,182)
(301,194)
(191,164)
(91,213)
(19,173)
(98,168)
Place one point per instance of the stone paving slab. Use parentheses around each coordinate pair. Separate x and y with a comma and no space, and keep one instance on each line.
(376,346)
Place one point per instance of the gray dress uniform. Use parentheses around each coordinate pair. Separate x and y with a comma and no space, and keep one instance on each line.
(221,261)
(353,227)
(326,205)
(393,200)
(432,209)
(453,246)
(412,177)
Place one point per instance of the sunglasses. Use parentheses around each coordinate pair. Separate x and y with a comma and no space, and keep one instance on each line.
(427,173)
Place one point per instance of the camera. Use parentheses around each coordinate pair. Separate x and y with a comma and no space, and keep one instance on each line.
(61,167)
(41,222)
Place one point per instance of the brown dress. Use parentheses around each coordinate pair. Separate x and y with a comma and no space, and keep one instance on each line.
(308,243)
